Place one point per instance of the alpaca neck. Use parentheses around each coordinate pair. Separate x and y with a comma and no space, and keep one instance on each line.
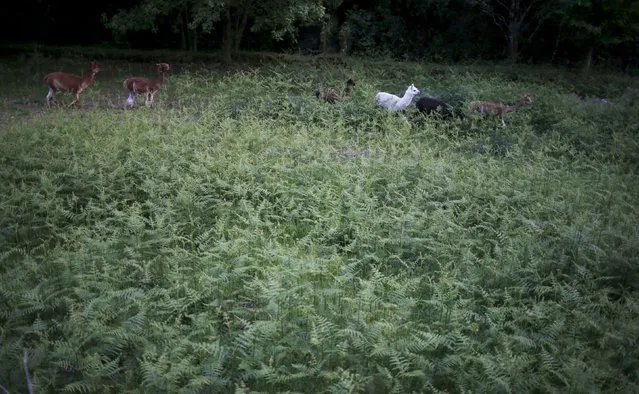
(88,79)
(510,108)
(405,100)
(161,77)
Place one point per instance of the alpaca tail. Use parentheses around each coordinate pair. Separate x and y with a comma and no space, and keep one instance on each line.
(128,83)
(317,93)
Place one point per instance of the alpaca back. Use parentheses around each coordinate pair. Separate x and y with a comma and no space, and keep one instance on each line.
(62,81)
(331,95)
(487,107)
(140,84)
(428,104)
(386,100)
(128,83)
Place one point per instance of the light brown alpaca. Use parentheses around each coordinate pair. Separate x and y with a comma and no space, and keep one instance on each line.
(498,109)
(141,85)
(331,94)
(64,82)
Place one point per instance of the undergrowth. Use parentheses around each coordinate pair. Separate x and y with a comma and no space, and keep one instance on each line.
(242,236)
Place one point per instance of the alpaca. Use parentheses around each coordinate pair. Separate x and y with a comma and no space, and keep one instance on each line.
(350,84)
(498,109)
(394,103)
(141,85)
(61,81)
(331,94)
(428,104)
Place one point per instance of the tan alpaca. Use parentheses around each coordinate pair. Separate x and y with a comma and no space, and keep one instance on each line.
(64,82)
(498,109)
(141,85)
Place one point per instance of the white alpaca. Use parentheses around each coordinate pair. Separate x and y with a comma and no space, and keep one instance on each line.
(395,103)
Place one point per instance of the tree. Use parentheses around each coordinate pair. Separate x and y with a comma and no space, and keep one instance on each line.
(598,24)
(192,17)
(329,20)
(512,16)
(151,14)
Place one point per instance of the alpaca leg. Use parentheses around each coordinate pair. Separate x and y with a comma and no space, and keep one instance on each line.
(54,99)
(76,99)
(148,100)
(503,124)
(130,101)
(405,120)
(50,97)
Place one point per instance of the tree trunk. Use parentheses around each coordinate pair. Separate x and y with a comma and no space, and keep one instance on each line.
(557,41)
(597,20)
(588,64)
(234,26)
(513,41)
(189,33)
(344,39)
(183,27)
(324,38)
(227,39)
(239,28)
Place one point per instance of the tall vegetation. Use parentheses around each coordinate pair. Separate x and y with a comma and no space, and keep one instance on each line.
(229,241)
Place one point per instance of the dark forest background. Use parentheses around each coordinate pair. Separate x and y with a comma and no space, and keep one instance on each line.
(579,33)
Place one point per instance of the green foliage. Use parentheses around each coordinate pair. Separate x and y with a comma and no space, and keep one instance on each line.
(607,22)
(243,236)
(278,17)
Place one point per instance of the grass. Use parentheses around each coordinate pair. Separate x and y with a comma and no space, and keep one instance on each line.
(241,236)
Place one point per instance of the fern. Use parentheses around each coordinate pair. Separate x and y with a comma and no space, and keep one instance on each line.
(320,249)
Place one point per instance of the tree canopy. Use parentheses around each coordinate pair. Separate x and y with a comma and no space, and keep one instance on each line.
(585,32)
(194,17)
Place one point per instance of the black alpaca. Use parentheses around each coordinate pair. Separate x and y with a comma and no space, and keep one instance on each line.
(428,104)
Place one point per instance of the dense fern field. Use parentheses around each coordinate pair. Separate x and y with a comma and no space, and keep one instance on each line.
(242,236)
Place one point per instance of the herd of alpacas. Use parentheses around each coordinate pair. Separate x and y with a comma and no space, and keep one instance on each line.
(64,82)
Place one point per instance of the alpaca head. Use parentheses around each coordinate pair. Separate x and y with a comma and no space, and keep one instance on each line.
(526,99)
(350,84)
(94,68)
(412,90)
(163,67)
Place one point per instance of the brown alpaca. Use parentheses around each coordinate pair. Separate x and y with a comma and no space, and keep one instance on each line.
(64,82)
(350,84)
(141,85)
(498,109)
(331,94)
